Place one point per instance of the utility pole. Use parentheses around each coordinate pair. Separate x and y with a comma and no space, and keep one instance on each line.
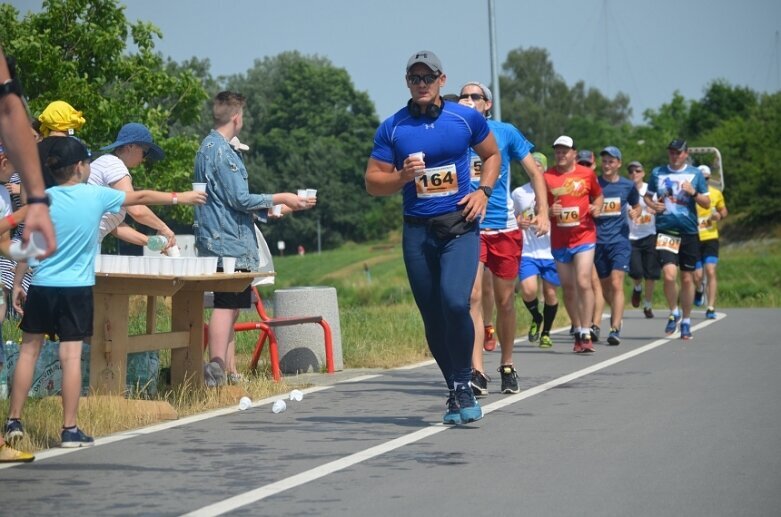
(497,107)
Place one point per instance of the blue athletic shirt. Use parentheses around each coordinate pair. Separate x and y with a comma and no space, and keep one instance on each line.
(513,146)
(446,142)
(680,214)
(612,225)
(76,211)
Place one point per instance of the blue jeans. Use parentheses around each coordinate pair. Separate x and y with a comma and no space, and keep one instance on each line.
(441,274)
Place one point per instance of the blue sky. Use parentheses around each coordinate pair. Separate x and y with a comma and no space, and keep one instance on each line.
(646,49)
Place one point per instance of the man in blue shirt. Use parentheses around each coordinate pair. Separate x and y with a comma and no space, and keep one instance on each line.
(679,188)
(614,250)
(423,151)
(500,242)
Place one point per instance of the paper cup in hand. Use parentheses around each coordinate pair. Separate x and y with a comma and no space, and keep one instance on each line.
(302,193)
(35,246)
(277,210)
(199,187)
(229,265)
(420,155)
(311,193)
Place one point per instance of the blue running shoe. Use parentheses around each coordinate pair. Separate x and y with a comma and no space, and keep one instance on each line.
(453,412)
(614,338)
(699,298)
(686,331)
(13,429)
(469,407)
(672,324)
(76,438)
(710,313)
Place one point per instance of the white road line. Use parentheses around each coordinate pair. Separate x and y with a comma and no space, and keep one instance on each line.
(260,493)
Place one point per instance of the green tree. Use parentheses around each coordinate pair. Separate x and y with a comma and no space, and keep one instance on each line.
(87,53)
(308,127)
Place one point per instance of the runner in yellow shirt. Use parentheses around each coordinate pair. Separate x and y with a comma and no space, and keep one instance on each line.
(707,219)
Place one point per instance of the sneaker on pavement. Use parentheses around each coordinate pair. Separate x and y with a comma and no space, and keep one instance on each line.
(10,455)
(509,379)
(469,408)
(534,331)
(453,412)
(710,313)
(213,374)
(699,298)
(595,331)
(636,298)
(479,383)
(578,348)
(686,331)
(72,439)
(546,341)
(13,430)
(587,344)
(672,324)
(649,313)
(489,339)
(614,338)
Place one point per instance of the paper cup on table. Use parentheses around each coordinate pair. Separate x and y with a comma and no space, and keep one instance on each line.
(229,265)
(97,262)
(311,193)
(136,266)
(199,187)
(173,251)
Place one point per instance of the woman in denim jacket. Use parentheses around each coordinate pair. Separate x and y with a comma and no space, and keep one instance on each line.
(224,225)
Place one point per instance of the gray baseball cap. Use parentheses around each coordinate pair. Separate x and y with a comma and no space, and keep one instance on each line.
(427,58)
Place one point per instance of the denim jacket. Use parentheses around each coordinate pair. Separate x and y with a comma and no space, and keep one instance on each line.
(224,226)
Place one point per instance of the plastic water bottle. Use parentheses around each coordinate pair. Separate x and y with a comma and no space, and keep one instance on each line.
(156,243)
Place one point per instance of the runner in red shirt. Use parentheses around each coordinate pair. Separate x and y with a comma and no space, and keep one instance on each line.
(574,196)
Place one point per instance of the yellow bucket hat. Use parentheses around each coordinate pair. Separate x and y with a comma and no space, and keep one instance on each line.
(60,116)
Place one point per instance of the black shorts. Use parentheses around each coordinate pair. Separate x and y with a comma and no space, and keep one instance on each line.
(644,263)
(63,313)
(709,248)
(242,300)
(688,254)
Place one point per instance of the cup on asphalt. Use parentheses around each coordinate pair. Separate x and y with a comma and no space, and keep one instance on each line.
(199,187)
(297,395)
(279,406)
(245,403)
(229,265)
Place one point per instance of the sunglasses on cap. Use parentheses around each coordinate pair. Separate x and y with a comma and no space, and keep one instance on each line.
(427,78)
(473,96)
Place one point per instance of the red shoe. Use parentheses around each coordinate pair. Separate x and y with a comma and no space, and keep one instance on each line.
(578,348)
(587,345)
(489,339)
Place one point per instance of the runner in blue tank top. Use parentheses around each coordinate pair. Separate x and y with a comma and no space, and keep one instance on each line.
(423,150)
(500,243)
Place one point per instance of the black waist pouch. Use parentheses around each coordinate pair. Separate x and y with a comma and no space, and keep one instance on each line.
(447,226)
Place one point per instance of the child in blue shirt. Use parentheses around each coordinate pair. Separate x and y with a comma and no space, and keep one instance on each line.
(59,301)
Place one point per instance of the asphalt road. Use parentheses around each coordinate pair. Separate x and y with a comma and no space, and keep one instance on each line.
(654,427)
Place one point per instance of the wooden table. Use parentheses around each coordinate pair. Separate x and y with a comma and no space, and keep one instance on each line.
(111,343)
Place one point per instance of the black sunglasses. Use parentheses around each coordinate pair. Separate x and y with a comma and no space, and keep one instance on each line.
(473,96)
(428,78)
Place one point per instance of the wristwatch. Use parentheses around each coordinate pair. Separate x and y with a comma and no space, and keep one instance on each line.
(44,200)
(10,86)
(486,190)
